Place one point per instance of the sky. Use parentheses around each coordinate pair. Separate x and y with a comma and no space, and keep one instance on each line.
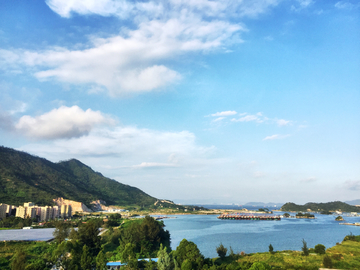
(198,101)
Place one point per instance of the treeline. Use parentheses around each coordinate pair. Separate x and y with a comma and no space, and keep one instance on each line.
(320,207)
(131,241)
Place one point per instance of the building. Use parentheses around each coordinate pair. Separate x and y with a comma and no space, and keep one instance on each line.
(20,212)
(3,210)
(45,213)
(66,211)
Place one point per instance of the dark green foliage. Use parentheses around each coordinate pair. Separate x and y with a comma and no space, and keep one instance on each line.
(330,206)
(87,234)
(327,262)
(164,261)
(350,237)
(101,261)
(25,178)
(86,259)
(286,215)
(18,261)
(271,248)
(305,248)
(146,234)
(305,215)
(62,231)
(188,253)
(114,220)
(15,222)
(221,251)
(319,249)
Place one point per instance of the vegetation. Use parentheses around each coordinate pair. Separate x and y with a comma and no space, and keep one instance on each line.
(304,215)
(339,218)
(319,249)
(319,207)
(221,251)
(305,248)
(87,250)
(271,249)
(25,178)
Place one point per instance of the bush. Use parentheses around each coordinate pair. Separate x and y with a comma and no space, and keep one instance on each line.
(319,249)
(327,262)
(350,237)
(271,249)
(221,251)
(304,248)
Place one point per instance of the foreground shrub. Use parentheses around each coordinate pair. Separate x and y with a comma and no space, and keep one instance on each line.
(319,249)
(327,262)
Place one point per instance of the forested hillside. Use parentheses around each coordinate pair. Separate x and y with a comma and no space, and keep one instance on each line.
(318,207)
(25,178)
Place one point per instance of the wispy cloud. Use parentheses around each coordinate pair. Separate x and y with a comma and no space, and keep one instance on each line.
(224,113)
(346,5)
(276,137)
(136,60)
(283,122)
(259,118)
(149,165)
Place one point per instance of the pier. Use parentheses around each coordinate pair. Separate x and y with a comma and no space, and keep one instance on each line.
(237,216)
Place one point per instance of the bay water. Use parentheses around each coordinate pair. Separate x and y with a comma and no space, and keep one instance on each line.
(250,236)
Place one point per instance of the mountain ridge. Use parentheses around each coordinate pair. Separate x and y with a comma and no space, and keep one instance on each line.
(24,178)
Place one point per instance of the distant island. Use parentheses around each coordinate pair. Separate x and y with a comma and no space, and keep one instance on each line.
(320,207)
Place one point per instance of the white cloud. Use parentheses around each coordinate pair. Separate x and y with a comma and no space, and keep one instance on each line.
(225,113)
(137,59)
(275,137)
(145,165)
(302,4)
(346,5)
(283,122)
(64,122)
(249,118)
(127,147)
(218,119)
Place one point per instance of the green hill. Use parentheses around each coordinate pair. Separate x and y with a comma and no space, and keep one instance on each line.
(318,207)
(25,178)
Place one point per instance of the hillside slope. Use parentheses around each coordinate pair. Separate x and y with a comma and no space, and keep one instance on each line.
(317,207)
(25,178)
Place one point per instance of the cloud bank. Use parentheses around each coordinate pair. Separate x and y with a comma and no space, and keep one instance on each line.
(62,123)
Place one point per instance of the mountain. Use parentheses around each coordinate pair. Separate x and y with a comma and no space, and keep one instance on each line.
(27,178)
(317,207)
(353,202)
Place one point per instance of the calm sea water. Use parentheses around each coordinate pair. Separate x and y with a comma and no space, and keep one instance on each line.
(207,232)
(250,236)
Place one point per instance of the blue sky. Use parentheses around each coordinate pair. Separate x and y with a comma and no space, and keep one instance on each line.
(193,101)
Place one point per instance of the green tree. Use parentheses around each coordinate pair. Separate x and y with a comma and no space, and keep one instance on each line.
(62,231)
(188,250)
(164,261)
(86,259)
(18,261)
(88,234)
(271,249)
(319,249)
(221,251)
(101,261)
(305,248)
(327,262)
